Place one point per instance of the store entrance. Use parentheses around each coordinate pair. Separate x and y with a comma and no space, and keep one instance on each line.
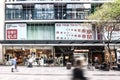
(23,55)
(19,53)
(71,53)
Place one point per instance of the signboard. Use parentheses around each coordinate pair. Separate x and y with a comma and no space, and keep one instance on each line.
(115,33)
(87,6)
(73,31)
(16,31)
(81,56)
(118,56)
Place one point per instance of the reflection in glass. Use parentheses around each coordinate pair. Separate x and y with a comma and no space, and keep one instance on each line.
(13,12)
(77,11)
(44,11)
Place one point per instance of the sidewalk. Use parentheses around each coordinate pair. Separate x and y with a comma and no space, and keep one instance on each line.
(52,73)
(51,70)
(37,70)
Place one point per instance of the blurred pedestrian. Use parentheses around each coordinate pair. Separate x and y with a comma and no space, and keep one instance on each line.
(78,72)
(90,65)
(14,64)
(96,62)
(30,61)
(42,61)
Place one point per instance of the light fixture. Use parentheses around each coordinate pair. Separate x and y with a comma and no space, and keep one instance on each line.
(81,50)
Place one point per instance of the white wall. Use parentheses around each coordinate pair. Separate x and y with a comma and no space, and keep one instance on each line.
(2,11)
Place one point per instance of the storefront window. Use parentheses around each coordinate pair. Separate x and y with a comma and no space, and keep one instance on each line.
(23,55)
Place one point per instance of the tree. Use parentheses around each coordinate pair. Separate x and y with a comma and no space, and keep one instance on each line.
(106,18)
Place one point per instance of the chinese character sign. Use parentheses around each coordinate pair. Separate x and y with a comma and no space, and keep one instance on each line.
(16,31)
(73,31)
(12,34)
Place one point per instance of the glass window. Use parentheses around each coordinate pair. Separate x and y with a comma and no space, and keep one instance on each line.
(13,12)
(44,11)
(40,32)
(60,11)
(78,11)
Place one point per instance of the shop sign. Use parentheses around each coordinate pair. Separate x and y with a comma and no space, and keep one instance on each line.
(118,56)
(12,34)
(115,33)
(16,31)
(73,31)
(87,6)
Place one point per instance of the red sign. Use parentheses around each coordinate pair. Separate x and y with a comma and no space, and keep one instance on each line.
(12,34)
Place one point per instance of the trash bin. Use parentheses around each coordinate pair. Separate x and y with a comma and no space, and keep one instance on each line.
(68,65)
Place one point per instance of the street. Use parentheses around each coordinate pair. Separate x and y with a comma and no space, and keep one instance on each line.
(52,73)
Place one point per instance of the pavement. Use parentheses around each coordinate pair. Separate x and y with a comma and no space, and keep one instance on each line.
(53,73)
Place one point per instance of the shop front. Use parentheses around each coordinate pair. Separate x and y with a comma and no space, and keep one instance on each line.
(53,53)
(23,53)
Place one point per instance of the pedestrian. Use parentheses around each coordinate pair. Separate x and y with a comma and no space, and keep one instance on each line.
(90,65)
(96,62)
(30,61)
(42,61)
(78,72)
(14,64)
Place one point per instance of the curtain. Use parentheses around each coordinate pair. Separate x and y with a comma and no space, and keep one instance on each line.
(40,32)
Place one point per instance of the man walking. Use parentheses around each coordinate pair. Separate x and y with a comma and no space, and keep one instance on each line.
(14,64)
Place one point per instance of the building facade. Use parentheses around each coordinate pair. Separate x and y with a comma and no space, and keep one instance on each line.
(49,28)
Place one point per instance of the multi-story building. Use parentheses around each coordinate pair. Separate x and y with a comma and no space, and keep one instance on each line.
(45,28)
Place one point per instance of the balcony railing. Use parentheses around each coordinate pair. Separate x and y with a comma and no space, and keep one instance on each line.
(45,15)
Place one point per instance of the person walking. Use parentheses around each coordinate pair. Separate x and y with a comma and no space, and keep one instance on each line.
(78,72)
(90,65)
(30,61)
(96,62)
(42,61)
(14,64)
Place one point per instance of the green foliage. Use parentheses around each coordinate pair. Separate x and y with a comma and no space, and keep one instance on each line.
(108,11)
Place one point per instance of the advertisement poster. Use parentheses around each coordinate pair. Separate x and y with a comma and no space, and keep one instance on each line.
(73,31)
(16,31)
